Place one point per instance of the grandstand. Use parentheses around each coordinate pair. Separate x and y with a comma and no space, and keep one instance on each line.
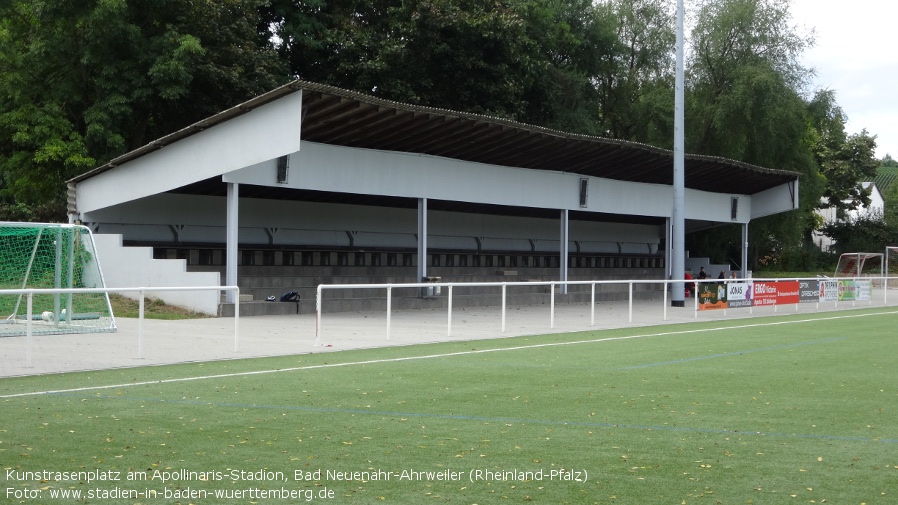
(309,184)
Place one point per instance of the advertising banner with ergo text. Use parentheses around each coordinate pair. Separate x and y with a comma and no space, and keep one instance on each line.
(766,293)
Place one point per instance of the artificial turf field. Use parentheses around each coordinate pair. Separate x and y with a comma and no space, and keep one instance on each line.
(790,409)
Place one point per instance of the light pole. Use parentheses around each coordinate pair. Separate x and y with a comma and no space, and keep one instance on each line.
(678,220)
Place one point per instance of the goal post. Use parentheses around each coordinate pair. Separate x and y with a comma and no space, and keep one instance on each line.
(891,266)
(51,256)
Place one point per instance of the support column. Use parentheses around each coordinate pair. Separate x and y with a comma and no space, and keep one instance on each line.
(745,250)
(231,245)
(563,251)
(422,239)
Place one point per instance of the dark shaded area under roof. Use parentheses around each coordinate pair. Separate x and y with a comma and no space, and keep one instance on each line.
(346,118)
(216,187)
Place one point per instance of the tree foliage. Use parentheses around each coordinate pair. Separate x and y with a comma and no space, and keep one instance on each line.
(528,60)
(82,82)
(868,232)
(634,83)
(745,72)
(888,161)
(744,101)
(844,160)
(890,212)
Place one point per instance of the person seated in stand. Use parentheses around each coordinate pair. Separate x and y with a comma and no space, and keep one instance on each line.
(702,274)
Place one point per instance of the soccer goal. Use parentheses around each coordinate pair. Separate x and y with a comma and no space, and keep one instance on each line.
(54,256)
(859,264)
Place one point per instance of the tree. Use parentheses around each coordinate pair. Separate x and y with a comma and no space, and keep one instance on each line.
(573,36)
(890,214)
(527,60)
(82,82)
(845,161)
(867,232)
(888,161)
(744,101)
(744,96)
(635,85)
(470,55)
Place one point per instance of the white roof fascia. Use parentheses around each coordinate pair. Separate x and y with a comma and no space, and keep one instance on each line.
(263,133)
(782,198)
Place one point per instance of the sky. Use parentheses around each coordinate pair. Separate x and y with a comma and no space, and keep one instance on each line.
(856,55)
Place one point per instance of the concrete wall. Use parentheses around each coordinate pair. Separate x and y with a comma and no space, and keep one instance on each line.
(126,267)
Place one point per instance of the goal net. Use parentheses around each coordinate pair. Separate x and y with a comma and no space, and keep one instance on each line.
(859,265)
(54,256)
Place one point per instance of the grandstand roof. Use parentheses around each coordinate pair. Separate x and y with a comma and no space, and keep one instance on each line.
(346,118)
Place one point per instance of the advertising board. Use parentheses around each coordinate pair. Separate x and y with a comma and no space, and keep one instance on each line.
(808,291)
(739,294)
(829,291)
(712,296)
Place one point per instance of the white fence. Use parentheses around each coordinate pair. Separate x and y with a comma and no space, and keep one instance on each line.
(29,294)
(811,285)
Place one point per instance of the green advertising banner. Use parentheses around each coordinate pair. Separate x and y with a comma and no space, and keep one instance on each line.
(847,291)
(712,296)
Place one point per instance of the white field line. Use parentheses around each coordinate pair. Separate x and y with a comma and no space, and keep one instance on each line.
(433,356)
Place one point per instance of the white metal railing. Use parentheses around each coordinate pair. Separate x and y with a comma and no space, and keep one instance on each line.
(694,285)
(29,293)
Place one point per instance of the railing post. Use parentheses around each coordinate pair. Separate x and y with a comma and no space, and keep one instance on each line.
(29,304)
(140,311)
(504,293)
(318,316)
(592,305)
(552,305)
(664,289)
(236,318)
(695,296)
(449,313)
(631,300)
(389,309)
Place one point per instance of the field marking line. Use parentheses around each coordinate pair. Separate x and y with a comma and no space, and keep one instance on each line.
(432,356)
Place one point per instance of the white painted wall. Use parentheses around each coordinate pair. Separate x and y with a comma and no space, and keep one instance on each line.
(782,198)
(364,171)
(127,267)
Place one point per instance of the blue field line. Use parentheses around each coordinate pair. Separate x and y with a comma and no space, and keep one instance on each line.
(733,353)
(504,420)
